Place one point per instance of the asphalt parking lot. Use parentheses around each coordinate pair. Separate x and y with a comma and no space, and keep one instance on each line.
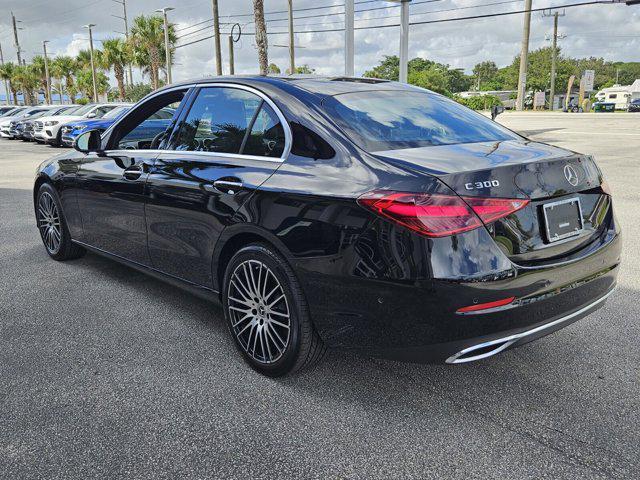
(107,373)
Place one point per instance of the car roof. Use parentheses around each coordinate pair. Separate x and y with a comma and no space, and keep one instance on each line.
(319,85)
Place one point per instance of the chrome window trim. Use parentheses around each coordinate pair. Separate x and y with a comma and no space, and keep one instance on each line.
(288,136)
(148,97)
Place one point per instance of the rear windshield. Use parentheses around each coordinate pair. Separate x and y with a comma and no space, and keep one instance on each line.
(390,120)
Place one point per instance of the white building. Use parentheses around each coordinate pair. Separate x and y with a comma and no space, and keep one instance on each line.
(621,95)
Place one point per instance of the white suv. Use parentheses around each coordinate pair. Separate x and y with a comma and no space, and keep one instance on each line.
(47,129)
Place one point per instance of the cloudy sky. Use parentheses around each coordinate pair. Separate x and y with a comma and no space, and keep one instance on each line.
(609,31)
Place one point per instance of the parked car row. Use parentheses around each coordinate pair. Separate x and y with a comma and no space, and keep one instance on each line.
(48,124)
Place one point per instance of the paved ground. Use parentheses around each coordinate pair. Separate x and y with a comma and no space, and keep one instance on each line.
(105,373)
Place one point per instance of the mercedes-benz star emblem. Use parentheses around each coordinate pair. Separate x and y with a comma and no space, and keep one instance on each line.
(571,175)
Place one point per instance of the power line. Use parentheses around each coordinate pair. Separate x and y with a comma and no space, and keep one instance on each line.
(419,2)
(424,22)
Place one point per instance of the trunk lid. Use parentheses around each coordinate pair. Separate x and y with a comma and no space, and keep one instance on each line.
(546,175)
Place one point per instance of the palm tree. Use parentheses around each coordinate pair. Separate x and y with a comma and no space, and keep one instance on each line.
(116,54)
(7,72)
(27,79)
(147,38)
(37,65)
(261,36)
(64,67)
(84,81)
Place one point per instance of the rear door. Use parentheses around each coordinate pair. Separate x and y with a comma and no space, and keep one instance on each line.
(230,141)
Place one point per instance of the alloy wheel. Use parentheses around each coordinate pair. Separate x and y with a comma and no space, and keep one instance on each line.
(259,311)
(49,222)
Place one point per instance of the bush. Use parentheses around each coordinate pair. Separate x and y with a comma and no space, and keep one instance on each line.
(481,102)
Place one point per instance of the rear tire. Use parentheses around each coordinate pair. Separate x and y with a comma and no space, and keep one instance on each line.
(267,314)
(53,225)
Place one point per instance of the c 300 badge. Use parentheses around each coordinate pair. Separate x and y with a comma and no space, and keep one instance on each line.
(481,185)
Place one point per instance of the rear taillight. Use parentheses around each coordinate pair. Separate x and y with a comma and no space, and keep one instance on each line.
(439,215)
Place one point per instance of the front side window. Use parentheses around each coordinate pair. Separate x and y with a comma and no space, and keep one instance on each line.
(231,120)
(103,110)
(144,128)
(390,120)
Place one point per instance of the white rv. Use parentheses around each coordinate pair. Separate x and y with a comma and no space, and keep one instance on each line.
(621,95)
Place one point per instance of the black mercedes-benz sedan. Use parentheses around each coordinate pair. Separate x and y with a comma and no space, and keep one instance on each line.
(340,213)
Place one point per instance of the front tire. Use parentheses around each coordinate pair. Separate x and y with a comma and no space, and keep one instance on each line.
(267,314)
(53,226)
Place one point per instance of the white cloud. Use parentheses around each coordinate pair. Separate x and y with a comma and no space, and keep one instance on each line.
(610,31)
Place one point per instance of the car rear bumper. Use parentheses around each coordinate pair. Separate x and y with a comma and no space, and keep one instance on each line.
(418,320)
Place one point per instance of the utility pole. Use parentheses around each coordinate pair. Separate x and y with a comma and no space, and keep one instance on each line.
(15,38)
(292,60)
(216,36)
(167,50)
(348,38)
(554,55)
(404,41)
(46,72)
(6,82)
(524,57)
(233,38)
(232,70)
(93,65)
(126,31)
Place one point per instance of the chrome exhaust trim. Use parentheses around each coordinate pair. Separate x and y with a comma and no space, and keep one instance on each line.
(485,350)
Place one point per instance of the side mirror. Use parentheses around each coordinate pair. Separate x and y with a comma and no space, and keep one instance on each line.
(91,115)
(90,141)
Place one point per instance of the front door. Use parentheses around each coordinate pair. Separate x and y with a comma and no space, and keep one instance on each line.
(230,142)
(111,194)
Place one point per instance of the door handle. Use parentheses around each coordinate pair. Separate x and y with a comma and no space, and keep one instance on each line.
(133,172)
(228,185)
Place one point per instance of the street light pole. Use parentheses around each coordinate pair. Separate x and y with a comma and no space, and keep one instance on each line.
(167,50)
(46,71)
(93,65)
(404,39)
(348,38)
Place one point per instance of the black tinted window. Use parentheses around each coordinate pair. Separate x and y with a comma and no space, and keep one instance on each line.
(230,120)
(389,120)
(267,135)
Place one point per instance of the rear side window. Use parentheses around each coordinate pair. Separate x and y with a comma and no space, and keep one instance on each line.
(390,120)
(231,120)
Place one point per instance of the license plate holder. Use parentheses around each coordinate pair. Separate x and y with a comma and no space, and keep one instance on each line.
(563,219)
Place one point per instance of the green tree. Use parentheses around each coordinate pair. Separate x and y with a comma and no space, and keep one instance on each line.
(116,54)
(485,75)
(7,72)
(27,80)
(433,78)
(64,68)
(84,81)
(147,39)
(305,70)
(389,69)
(274,69)
(38,67)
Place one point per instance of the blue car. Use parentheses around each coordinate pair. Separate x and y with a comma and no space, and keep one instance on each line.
(72,129)
(154,125)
